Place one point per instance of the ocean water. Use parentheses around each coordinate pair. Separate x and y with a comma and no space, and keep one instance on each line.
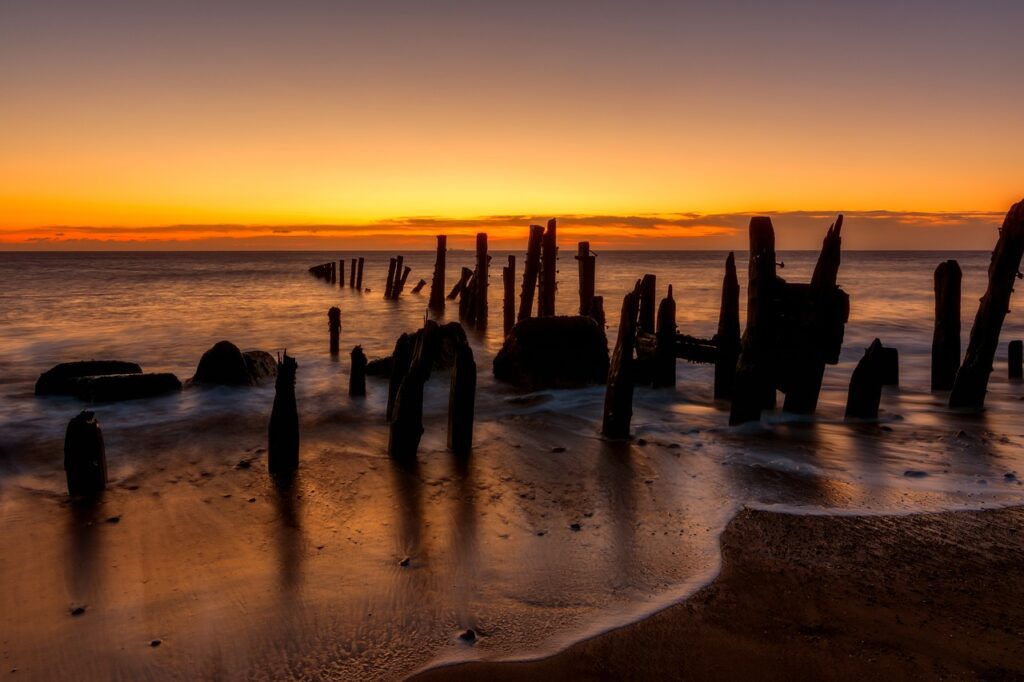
(367,569)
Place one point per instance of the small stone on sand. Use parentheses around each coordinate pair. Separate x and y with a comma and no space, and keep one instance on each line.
(155,643)
(468,636)
(114,519)
(404,562)
(558,448)
(78,611)
(914,473)
(574,526)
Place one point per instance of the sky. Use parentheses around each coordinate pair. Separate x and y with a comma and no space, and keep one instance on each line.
(307,124)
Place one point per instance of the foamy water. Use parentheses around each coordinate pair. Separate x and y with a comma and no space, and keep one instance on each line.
(309,581)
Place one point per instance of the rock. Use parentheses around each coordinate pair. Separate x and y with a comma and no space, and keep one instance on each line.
(554,352)
(115,387)
(155,643)
(914,473)
(78,611)
(575,527)
(468,635)
(379,367)
(85,458)
(114,519)
(404,562)
(557,449)
(226,365)
(61,379)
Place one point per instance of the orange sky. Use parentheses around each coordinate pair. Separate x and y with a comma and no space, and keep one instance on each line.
(234,125)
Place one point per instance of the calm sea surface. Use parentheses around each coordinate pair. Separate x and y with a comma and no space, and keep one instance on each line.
(368,569)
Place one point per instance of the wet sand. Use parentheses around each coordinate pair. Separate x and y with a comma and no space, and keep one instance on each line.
(927,596)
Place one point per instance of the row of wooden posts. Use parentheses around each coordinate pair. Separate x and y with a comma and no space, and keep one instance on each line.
(334,273)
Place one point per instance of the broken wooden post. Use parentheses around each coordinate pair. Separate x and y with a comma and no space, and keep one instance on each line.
(482,276)
(460,286)
(437,283)
(727,338)
(359,277)
(618,397)
(648,292)
(754,387)
(341,273)
(352,274)
(597,310)
(890,366)
(972,379)
(587,270)
(392,264)
(1015,360)
(665,351)
(467,301)
(419,286)
(549,273)
(461,401)
(508,278)
(400,359)
(334,272)
(866,385)
(85,457)
(406,423)
(357,376)
(399,286)
(283,432)
(946,337)
(531,271)
(334,325)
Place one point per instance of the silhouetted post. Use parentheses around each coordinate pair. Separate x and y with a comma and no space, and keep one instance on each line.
(508,278)
(283,433)
(392,264)
(754,388)
(889,361)
(467,301)
(587,271)
(531,271)
(1015,360)
(461,401)
(866,385)
(85,457)
(400,359)
(352,274)
(665,350)
(597,310)
(341,273)
(727,339)
(359,277)
(437,283)
(813,345)
(419,286)
(972,379)
(648,291)
(946,338)
(357,377)
(482,277)
(334,272)
(461,285)
(399,286)
(618,397)
(334,325)
(549,274)
(406,426)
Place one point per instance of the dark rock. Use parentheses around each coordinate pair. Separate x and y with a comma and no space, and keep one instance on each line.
(554,352)
(468,636)
(78,611)
(404,562)
(914,473)
(379,367)
(85,459)
(558,448)
(155,643)
(62,379)
(226,365)
(115,387)
(575,527)
(114,519)
(243,464)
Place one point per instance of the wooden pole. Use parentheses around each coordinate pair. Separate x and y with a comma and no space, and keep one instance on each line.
(85,456)
(392,264)
(352,274)
(357,377)
(461,401)
(1015,360)
(890,366)
(467,301)
(972,379)
(866,385)
(341,273)
(597,310)
(665,350)
(419,286)
(399,286)
(727,339)
(334,325)
(587,270)
(508,278)
(283,432)
(437,283)
(549,274)
(359,277)
(531,271)
(482,276)
(648,292)
(400,359)
(406,427)
(460,286)
(946,338)
(618,397)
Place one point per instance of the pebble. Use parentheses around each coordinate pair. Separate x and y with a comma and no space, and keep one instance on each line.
(155,643)
(244,464)
(914,473)
(641,441)
(78,611)
(404,562)
(468,636)
(114,519)
(252,499)
(575,526)
(558,448)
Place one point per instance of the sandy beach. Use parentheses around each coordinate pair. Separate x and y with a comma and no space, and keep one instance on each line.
(926,596)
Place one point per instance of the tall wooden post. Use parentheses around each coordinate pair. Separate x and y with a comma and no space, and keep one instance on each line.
(392,264)
(359,277)
(597,310)
(333,267)
(467,301)
(482,277)
(946,338)
(437,283)
(357,376)
(866,385)
(461,401)
(549,274)
(400,359)
(85,457)
(508,278)
(352,274)
(727,339)
(460,286)
(399,285)
(972,379)
(406,427)
(530,271)
(341,273)
(648,292)
(334,326)
(665,350)
(283,431)
(1015,360)
(587,271)
(618,397)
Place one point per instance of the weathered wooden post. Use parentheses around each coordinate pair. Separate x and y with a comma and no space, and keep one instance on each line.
(549,274)
(1015,360)
(866,385)
(406,424)
(419,286)
(890,366)
(461,401)
(359,277)
(665,350)
(85,457)
(727,338)
(341,273)
(283,432)
(597,310)
(357,377)
(334,325)
(461,285)
(467,301)
(392,264)
(400,359)
(648,292)
(334,272)
(946,338)
(754,387)
(352,274)
(618,397)
(437,283)
(972,379)
(587,271)
(508,278)
(399,286)
(531,271)
(482,276)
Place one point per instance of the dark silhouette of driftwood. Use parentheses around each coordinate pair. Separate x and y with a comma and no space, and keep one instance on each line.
(419,286)
(85,457)
(618,397)
(946,338)
(461,285)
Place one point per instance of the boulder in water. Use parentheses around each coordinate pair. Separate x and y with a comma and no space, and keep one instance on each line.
(62,379)
(115,387)
(554,352)
(226,365)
